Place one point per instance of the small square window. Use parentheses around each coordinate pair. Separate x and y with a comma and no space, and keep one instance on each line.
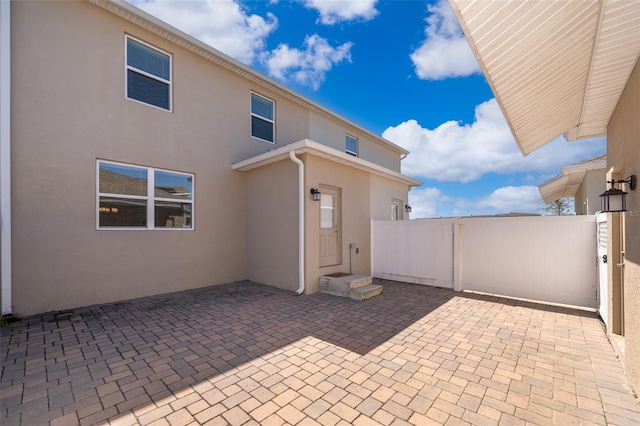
(148,77)
(262,118)
(351,145)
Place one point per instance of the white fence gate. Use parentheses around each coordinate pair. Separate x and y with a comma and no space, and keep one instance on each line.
(545,258)
(603,294)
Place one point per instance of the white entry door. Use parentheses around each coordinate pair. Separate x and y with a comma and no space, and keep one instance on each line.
(329,226)
(603,293)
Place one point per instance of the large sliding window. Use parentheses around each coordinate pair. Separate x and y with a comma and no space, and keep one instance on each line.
(143,197)
(148,74)
(262,118)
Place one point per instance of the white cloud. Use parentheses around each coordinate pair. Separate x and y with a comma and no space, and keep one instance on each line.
(222,24)
(520,199)
(464,152)
(306,67)
(335,11)
(432,202)
(445,52)
(426,202)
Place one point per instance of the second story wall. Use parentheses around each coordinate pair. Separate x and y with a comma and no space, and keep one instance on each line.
(327,132)
(73,55)
(70,56)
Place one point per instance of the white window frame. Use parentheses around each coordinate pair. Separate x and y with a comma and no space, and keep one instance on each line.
(273,122)
(399,204)
(150,198)
(128,67)
(346,149)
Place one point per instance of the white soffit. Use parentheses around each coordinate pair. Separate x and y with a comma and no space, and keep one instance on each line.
(567,184)
(555,67)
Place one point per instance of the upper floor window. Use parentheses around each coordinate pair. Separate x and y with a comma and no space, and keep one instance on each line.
(262,118)
(148,74)
(351,145)
(143,197)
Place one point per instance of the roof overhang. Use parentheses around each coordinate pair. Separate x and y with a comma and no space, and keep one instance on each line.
(307,146)
(568,182)
(555,67)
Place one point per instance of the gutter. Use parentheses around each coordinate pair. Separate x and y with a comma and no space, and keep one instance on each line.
(5,155)
(300,164)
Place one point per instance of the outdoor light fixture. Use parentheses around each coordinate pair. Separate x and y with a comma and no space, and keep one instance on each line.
(407,207)
(315,194)
(614,199)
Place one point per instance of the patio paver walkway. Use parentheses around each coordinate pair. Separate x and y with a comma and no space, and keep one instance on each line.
(244,353)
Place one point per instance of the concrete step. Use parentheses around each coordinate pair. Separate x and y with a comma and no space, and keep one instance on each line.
(344,285)
(366,292)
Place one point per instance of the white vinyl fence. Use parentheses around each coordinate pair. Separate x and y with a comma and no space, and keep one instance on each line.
(545,258)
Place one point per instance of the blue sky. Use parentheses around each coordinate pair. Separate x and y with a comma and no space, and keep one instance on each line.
(401,69)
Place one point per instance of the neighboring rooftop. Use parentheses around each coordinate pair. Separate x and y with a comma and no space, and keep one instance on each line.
(566,184)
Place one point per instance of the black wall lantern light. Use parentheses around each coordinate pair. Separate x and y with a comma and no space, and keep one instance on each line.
(315,194)
(407,207)
(614,199)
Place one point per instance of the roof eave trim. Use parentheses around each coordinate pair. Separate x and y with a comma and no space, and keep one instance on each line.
(555,188)
(600,164)
(315,148)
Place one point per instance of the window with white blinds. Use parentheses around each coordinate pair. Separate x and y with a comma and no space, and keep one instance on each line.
(262,118)
(148,74)
(131,196)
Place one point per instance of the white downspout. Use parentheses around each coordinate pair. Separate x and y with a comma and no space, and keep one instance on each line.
(300,164)
(5,155)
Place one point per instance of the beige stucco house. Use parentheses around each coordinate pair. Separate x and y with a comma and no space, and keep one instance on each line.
(583,181)
(137,160)
(572,68)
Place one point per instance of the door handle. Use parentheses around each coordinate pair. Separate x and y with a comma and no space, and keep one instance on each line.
(604,258)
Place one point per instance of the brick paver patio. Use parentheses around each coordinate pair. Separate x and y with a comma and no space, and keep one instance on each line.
(244,353)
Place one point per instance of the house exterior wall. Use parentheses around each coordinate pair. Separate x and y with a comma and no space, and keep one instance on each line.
(359,190)
(382,192)
(73,111)
(587,198)
(272,229)
(623,155)
(354,220)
